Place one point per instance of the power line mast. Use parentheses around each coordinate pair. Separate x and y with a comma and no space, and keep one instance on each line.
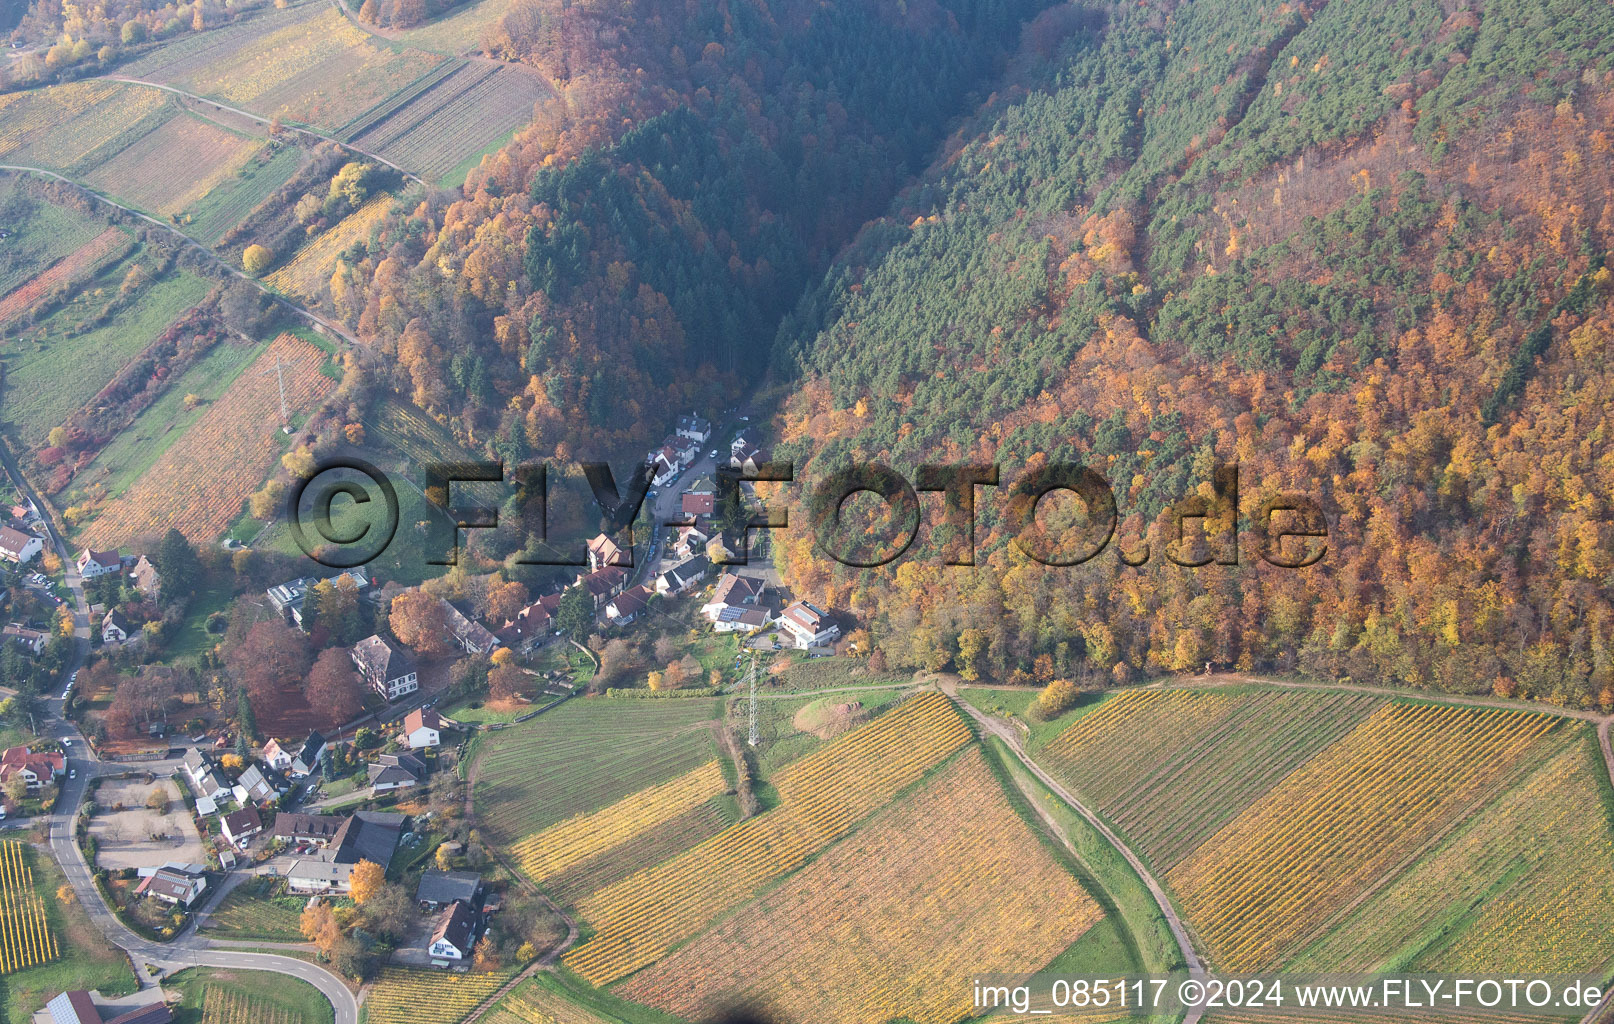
(280,378)
(753,674)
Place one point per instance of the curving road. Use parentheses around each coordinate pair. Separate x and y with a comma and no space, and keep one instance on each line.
(188,949)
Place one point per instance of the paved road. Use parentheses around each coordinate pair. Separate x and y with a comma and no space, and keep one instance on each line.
(1011,738)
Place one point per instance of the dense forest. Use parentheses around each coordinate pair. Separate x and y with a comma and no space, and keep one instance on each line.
(633,251)
(1355,248)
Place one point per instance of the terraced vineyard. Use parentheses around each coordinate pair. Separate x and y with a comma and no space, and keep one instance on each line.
(236,443)
(1282,868)
(532,1002)
(640,918)
(1171,766)
(25,936)
(946,883)
(60,126)
(401,996)
(1527,885)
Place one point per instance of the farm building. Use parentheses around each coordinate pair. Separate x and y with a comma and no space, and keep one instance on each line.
(78,1007)
(318,876)
(440,888)
(455,932)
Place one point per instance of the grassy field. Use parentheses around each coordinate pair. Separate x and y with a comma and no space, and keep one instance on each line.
(53,368)
(214,995)
(210,217)
(193,640)
(128,455)
(85,959)
(779,740)
(404,557)
(583,755)
(39,234)
(78,266)
(400,430)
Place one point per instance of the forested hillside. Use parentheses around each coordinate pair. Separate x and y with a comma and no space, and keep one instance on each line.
(633,251)
(1355,247)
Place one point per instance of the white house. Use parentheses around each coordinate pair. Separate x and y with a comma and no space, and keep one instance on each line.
(455,933)
(318,876)
(180,884)
(307,760)
(115,629)
(683,576)
(98,563)
(808,625)
(695,428)
(241,825)
(423,727)
(276,756)
(18,546)
(387,669)
(33,640)
(396,771)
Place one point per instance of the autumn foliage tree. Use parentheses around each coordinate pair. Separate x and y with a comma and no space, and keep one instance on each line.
(270,657)
(419,621)
(367,880)
(334,688)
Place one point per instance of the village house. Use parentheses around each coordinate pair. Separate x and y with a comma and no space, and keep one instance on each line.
(532,626)
(694,427)
(602,584)
(389,670)
(603,551)
(31,640)
(395,771)
(288,598)
(423,728)
(629,605)
(455,933)
(175,883)
(116,628)
(260,785)
(146,579)
(308,758)
(684,576)
(18,545)
(276,756)
(239,826)
(808,625)
(691,541)
(77,1007)
(472,636)
(205,779)
(314,877)
(735,591)
(91,564)
(364,835)
(311,829)
(36,767)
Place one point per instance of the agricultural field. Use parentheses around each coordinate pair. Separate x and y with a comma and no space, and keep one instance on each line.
(1169,767)
(466,114)
(1525,886)
(313,68)
(211,217)
(549,852)
(535,1002)
(308,272)
(401,996)
(401,430)
(64,126)
(822,797)
(25,936)
(169,169)
(214,995)
(238,439)
(40,233)
(86,259)
(1362,808)
(56,366)
(258,909)
(133,451)
(784,732)
(947,883)
(528,776)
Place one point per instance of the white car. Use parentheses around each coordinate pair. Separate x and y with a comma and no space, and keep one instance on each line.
(67,741)
(712,454)
(72,773)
